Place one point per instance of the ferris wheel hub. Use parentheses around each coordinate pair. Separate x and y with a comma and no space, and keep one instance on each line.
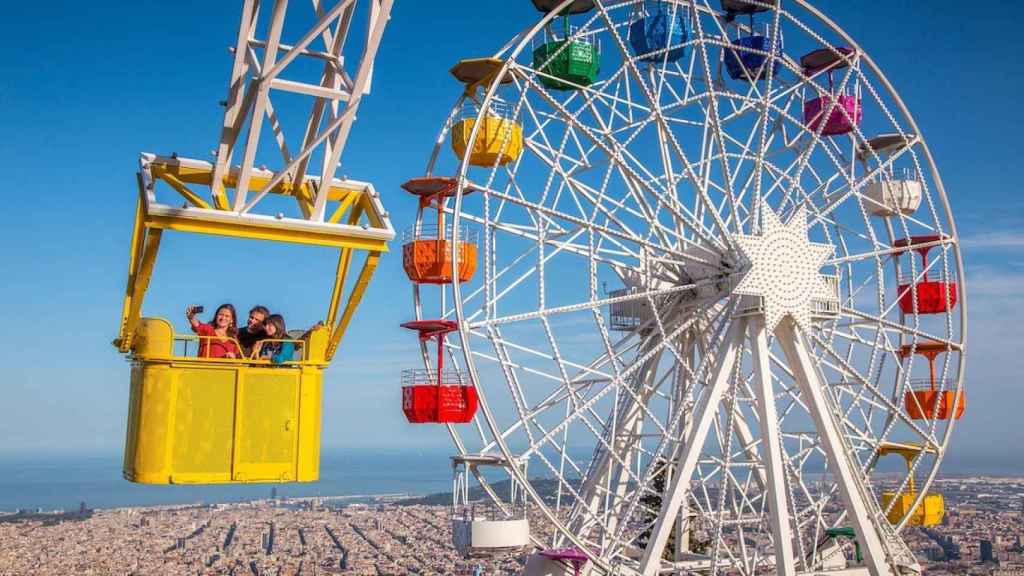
(784,268)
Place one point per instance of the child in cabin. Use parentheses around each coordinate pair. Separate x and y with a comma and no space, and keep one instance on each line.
(217,339)
(253,332)
(271,348)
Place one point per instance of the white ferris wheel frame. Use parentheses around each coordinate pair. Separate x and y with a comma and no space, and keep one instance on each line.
(874,533)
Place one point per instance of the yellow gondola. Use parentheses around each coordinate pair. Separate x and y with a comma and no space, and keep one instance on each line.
(206,420)
(932,507)
(500,137)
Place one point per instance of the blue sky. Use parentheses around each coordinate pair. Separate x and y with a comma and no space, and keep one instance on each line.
(84,90)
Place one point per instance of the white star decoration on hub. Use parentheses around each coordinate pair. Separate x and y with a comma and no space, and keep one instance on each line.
(785,268)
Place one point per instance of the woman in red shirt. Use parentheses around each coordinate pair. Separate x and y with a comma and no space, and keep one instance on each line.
(217,340)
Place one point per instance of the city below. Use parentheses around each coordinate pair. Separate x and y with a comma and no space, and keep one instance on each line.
(980,535)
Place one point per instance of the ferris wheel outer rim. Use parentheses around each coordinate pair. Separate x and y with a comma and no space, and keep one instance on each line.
(523,40)
(954,235)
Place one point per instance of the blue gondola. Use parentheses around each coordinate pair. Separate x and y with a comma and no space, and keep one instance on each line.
(657,30)
(743,63)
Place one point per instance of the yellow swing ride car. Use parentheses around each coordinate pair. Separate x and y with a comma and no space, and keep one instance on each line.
(218,420)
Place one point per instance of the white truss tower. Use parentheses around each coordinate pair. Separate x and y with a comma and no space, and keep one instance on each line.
(265,65)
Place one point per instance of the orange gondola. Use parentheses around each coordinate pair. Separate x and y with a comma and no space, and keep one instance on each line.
(928,399)
(427,249)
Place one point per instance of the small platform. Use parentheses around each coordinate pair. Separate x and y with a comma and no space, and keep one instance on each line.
(884,144)
(432,186)
(915,242)
(927,348)
(431,328)
(572,555)
(474,70)
(822,58)
(746,7)
(576,7)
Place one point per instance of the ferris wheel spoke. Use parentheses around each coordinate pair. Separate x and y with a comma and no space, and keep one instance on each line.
(889,251)
(627,418)
(881,322)
(549,212)
(879,397)
(655,349)
(529,234)
(666,199)
(596,197)
(623,347)
(659,118)
(715,120)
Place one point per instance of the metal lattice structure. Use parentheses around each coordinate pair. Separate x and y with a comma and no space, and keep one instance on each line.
(699,298)
(261,68)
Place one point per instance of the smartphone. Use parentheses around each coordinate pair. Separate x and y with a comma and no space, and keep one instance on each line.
(197,309)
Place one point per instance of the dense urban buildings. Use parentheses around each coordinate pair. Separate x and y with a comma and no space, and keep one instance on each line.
(980,535)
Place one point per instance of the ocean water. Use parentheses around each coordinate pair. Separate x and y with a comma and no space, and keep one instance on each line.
(62,482)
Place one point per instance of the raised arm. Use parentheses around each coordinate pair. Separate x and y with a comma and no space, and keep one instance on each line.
(190,314)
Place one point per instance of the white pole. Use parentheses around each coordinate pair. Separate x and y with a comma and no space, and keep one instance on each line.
(851,489)
(776,490)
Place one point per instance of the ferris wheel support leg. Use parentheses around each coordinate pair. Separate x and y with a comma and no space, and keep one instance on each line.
(691,448)
(776,486)
(851,489)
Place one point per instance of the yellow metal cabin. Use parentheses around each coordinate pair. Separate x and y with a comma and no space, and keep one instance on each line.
(215,420)
(932,507)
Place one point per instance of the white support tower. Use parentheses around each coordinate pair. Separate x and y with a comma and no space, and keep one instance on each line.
(268,65)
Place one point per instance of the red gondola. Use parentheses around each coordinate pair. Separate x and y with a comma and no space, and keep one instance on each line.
(932,296)
(434,395)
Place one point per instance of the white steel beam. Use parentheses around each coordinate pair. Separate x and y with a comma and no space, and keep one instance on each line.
(235,103)
(852,490)
(259,108)
(776,493)
(380,11)
(336,91)
(691,448)
(308,89)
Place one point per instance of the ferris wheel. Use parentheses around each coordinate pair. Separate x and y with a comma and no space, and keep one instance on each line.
(685,279)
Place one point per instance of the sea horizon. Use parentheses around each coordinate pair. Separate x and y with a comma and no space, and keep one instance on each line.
(62,481)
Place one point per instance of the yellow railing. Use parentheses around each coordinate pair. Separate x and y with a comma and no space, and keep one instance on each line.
(157,341)
(182,348)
